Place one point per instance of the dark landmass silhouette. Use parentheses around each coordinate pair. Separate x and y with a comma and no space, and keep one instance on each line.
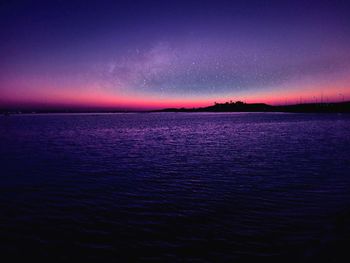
(239,106)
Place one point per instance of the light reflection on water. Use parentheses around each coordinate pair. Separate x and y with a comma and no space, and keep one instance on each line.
(173,186)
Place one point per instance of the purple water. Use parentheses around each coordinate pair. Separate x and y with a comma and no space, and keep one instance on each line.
(175,187)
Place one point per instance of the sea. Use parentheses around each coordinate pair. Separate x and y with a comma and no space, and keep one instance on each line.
(175,187)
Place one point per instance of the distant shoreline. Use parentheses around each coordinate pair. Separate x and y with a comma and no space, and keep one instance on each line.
(335,107)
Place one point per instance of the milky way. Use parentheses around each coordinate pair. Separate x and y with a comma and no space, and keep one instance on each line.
(157,54)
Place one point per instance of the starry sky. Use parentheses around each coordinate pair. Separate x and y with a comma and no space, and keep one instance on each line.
(157,54)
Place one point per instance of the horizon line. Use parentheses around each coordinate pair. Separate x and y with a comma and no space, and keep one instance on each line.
(91,109)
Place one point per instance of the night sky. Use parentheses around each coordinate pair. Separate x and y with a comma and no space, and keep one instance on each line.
(155,54)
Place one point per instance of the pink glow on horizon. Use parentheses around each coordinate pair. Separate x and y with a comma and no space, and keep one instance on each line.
(93,97)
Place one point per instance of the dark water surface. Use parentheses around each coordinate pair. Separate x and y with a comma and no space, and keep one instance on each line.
(175,187)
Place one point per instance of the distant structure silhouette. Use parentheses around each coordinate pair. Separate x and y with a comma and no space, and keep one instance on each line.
(239,106)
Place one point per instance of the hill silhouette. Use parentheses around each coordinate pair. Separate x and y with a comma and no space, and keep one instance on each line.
(239,106)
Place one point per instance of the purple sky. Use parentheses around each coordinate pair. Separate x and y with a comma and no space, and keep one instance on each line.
(153,54)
